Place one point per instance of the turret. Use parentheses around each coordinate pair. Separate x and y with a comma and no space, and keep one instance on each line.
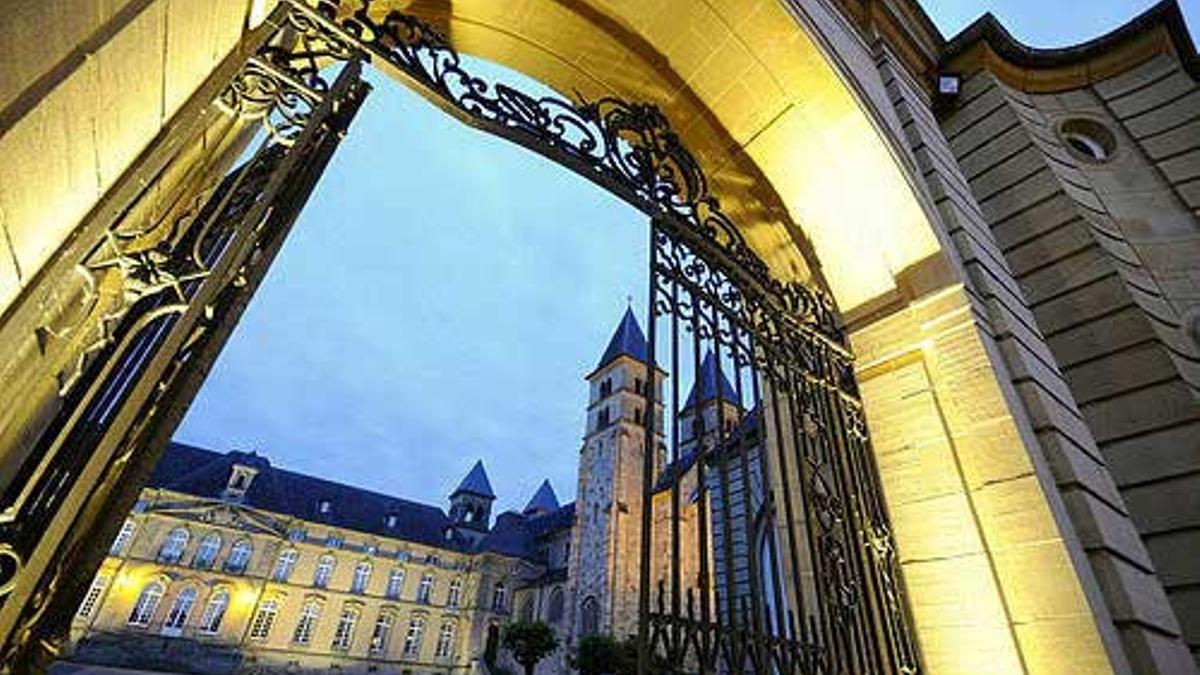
(471,502)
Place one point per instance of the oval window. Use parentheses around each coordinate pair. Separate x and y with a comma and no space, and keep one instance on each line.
(1088,139)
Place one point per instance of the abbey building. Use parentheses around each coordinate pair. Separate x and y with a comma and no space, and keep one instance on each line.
(231,564)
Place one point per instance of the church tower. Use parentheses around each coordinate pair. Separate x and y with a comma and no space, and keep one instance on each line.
(604,554)
(471,503)
(712,404)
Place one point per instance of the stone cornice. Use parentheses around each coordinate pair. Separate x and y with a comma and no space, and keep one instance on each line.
(987,45)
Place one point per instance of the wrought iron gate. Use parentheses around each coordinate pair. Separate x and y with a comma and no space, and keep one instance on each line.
(166,264)
(765,507)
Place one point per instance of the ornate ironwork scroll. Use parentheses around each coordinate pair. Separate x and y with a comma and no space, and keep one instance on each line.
(628,148)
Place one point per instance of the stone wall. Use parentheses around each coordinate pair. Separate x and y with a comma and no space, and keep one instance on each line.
(1124,404)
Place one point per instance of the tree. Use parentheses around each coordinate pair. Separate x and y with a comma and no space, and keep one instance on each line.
(529,642)
(600,655)
(605,655)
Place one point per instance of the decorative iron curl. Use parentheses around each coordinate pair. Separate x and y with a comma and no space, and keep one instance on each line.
(628,146)
(261,90)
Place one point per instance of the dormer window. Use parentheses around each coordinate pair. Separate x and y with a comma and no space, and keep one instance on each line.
(390,520)
(324,507)
(240,477)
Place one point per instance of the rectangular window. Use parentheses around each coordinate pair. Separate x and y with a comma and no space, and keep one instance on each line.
(123,538)
(379,637)
(425,590)
(260,629)
(412,641)
(445,643)
(308,621)
(95,591)
(344,635)
(395,584)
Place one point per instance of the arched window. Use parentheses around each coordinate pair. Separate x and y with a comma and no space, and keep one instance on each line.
(214,612)
(284,564)
(527,609)
(379,636)
(454,595)
(94,593)
(425,590)
(124,538)
(554,608)
(589,616)
(239,557)
(772,580)
(499,597)
(308,621)
(445,643)
(323,572)
(395,584)
(172,548)
(260,628)
(147,602)
(343,637)
(362,575)
(206,553)
(412,640)
(180,610)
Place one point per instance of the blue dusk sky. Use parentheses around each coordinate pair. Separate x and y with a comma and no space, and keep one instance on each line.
(444,293)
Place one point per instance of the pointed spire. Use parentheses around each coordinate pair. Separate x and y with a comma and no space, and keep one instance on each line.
(475,482)
(543,501)
(710,373)
(627,340)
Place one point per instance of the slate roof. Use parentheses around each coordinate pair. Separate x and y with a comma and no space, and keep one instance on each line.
(517,535)
(627,340)
(205,473)
(710,373)
(543,501)
(475,482)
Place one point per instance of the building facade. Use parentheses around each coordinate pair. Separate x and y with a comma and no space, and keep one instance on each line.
(228,564)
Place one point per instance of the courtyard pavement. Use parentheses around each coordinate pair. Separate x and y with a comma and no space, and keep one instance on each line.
(83,669)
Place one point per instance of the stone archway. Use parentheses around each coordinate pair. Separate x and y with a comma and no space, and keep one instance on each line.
(826,184)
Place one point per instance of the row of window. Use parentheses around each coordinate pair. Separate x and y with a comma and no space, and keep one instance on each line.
(209,548)
(606,387)
(175,544)
(286,563)
(149,599)
(343,637)
(265,618)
